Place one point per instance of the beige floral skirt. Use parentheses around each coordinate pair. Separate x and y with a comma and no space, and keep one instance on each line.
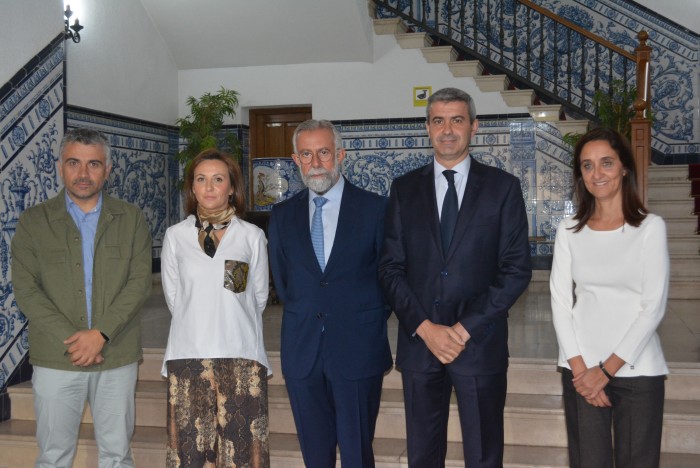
(217,413)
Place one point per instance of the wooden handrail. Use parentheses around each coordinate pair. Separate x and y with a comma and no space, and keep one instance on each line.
(643,59)
(578,29)
(640,124)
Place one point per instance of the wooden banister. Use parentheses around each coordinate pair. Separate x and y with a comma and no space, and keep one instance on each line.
(640,124)
(578,29)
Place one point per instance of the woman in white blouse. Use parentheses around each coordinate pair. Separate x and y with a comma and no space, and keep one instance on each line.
(215,279)
(609,286)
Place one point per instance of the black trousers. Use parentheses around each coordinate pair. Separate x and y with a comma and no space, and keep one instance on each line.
(626,435)
(480,403)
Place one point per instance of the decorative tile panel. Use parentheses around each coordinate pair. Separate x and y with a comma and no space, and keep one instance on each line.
(379,151)
(31,128)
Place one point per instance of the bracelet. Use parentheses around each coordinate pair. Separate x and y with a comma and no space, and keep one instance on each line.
(607,374)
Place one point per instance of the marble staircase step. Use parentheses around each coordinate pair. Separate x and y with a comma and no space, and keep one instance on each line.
(573,126)
(439,54)
(684,225)
(671,208)
(414,40)
(18,448)
(669,190)
(685,267)
(530,419)
(537,376)
(684,245)
(389,26)
(466,68)
(681,289)
(671,173)
(546,113)
(518,97)
(150,403)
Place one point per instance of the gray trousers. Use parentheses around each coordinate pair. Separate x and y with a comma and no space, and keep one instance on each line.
(627,435)
(59,401)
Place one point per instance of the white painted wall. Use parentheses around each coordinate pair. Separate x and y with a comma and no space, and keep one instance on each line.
(27,27)
(122,65)
(338,91)
(684,12)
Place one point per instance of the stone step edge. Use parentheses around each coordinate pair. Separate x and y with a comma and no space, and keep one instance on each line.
(284,447)
(392,400)
(524,363)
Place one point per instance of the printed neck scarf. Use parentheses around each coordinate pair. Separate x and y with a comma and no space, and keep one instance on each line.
(209,221)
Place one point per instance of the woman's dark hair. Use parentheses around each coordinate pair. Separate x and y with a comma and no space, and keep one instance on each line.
(237,200)
(632,207)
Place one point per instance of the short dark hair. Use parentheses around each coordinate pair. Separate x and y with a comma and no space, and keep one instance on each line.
(632,207)
(451,95)
(237,200)
(86,136)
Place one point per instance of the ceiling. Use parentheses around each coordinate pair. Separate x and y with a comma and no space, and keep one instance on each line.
(240,33)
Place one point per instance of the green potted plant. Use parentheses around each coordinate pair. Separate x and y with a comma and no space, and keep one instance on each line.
(613,108)
(206,118)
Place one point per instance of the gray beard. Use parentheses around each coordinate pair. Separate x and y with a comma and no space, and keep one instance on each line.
(321,185)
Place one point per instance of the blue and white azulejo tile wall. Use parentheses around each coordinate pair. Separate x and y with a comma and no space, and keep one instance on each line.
(379,151)
(31,128)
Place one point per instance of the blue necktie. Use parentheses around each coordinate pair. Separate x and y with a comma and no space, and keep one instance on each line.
(317,231)
(448,216)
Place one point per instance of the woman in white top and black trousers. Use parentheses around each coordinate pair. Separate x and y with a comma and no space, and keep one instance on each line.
(215,278)
(609,285)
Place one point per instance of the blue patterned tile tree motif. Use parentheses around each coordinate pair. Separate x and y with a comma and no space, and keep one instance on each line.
(141,181)
(24,186)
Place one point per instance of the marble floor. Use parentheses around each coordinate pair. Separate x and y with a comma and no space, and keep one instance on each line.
(530,325)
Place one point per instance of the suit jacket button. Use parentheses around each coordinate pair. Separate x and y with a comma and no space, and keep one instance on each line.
(324,284)
(443,273)
(436,302)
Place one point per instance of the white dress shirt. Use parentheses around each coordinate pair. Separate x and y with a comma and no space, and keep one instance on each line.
(462,173)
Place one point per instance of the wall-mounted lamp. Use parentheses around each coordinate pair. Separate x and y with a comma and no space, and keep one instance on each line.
(72,31)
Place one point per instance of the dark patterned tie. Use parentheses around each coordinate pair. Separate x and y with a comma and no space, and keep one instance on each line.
(448,216)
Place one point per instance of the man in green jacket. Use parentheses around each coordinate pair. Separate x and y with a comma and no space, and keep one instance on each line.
(81,270)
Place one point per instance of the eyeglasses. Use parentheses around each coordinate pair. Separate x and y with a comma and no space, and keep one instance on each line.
(324,155)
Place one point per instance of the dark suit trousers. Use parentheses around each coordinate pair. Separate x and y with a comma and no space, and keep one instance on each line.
(637,418)
(480,401)
(331,411)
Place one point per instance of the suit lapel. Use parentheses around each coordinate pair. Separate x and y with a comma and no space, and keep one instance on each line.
(427,203)
(302,226)
(469,204)
(345,231)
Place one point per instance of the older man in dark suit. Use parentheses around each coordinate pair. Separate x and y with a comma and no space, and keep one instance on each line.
(455,259)
(324,245)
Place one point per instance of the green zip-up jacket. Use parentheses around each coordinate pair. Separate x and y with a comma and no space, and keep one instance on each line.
(48,281)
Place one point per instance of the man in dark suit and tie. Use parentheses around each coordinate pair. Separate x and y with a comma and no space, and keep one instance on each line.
(455,259)
(324,246)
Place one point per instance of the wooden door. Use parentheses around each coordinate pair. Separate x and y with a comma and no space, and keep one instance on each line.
(271,130)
